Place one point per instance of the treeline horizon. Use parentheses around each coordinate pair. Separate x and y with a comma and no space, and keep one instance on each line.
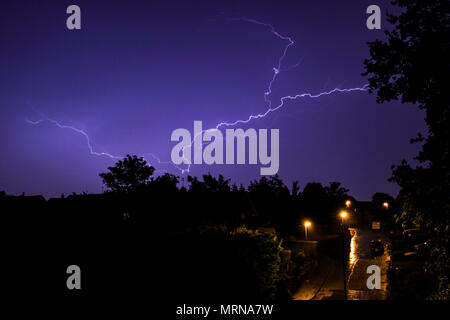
(268,202)
(204,236)
(125,182)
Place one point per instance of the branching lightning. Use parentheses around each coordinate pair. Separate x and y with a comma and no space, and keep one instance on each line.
(276,72)
(86,136)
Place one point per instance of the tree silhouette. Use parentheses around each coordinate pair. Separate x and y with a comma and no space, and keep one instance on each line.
(335,191)
(209,184)
(295,189)
(167,183)
(265,185)
(412,65)
(379,198)
(127,175)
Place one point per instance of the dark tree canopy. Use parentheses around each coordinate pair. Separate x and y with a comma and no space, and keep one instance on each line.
(127,175)
(314,193)
(412,64)
(379,198)
(264,185)
(209,184)
(167,183)
(334,190)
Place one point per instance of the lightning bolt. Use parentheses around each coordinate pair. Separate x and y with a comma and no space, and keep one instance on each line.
(277,69)
(276,72)
(89,145)
(267,93)
(83,133)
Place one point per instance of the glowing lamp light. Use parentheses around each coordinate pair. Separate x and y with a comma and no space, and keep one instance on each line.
(307,224)
(343,214)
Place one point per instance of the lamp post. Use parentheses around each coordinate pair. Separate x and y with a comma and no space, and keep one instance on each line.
(343,214)
(386,205)
(307,224)
(348,203)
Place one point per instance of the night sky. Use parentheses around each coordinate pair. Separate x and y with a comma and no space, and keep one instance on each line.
(137,70)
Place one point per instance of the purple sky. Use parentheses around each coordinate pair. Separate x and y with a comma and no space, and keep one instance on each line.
(137,70)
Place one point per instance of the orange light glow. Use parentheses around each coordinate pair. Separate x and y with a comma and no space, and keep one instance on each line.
(343,214)
(353,249)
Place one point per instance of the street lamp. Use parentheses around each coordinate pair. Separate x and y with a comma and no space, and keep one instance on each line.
(343,214)
(386,205)
(348,203)
(307,224)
